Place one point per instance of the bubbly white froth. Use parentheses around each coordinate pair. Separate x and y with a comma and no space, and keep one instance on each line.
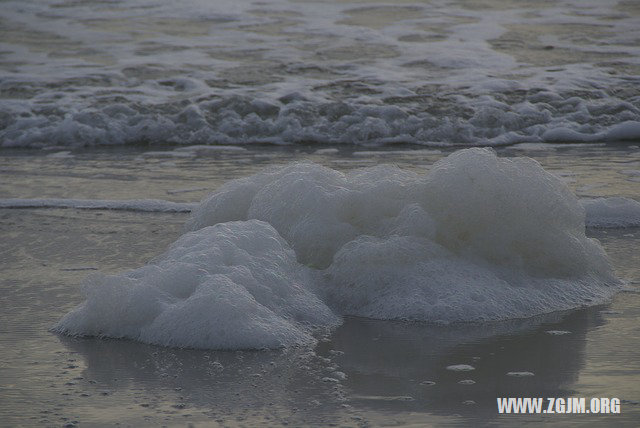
(613,212)
(228,286)
(236,72)
(271,257)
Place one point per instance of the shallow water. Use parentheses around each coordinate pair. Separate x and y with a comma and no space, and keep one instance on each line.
(365,372)
(429,72)
(135,111)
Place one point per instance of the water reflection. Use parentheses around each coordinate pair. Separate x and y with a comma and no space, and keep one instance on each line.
(403,367)
(241,384)
(364,364)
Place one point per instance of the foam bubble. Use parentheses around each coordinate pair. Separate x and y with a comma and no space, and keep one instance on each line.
(476,238)
(228,286)
(557,332)
(325,72)
(460,368)
(614,212)
(520,374)
(394,244)
(240,120)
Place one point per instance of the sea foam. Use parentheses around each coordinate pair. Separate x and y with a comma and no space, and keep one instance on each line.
(271,258)
(228,286)
(613,212)
(235,72)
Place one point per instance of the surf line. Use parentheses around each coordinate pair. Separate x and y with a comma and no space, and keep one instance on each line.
(142,205)
(601,213)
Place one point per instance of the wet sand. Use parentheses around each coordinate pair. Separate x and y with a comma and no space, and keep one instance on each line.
(365,373)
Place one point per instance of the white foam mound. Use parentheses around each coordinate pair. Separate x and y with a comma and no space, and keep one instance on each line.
(612,212)
(228,286)
(477,238)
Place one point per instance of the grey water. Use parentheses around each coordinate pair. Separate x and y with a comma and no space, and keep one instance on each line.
(365,373)
(113,101)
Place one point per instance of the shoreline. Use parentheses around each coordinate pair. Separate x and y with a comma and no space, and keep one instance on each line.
(48,377)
